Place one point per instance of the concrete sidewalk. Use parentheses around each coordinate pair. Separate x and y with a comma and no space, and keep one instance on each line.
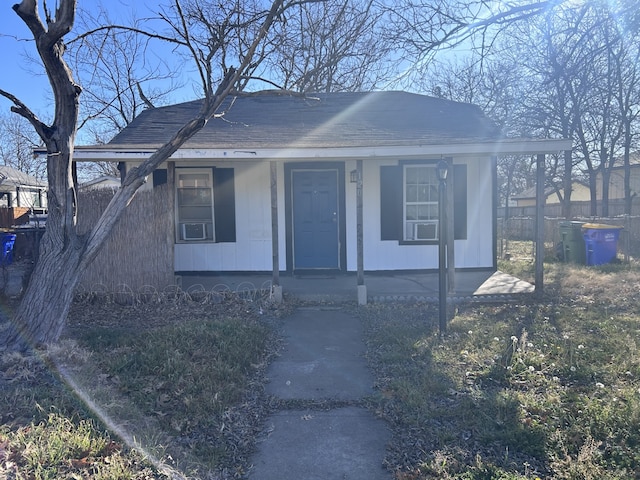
(322,361)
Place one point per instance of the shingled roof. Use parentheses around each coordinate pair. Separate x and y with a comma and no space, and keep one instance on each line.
(277,120)
(12,178)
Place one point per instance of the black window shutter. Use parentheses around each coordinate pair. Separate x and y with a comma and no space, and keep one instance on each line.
(460,202)
(224,199)
(391,203)
(159,177)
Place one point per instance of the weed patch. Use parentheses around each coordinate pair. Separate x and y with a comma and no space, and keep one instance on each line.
(548,389)
(179,383)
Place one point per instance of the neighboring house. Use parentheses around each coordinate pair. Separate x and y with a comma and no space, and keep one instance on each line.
(18,189)
(225,199)
(100,183)
(579,193)
(616,180)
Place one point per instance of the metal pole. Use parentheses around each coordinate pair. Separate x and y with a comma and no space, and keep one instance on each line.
(442,255)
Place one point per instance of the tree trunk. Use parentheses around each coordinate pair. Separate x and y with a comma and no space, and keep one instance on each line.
(64,253)
(628,198)
(42,313)
(594,195)
(606,180)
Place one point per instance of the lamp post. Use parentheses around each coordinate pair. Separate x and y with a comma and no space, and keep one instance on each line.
(442,170)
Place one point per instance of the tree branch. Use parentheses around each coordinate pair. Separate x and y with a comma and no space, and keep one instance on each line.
(43,130)
(109,28)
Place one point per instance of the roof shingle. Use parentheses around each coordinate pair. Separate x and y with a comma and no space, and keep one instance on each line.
(278,120)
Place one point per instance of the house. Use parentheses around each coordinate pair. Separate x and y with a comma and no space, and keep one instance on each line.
(21,195)
(280,181)
(19,189)
(616,180)
(579,193)
(102,182)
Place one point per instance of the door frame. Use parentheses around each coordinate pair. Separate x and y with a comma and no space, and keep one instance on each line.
(289,168)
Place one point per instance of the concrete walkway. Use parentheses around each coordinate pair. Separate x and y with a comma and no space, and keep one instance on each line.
(322,361)
(389,287)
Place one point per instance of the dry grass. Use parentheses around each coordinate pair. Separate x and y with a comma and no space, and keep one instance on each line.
(176,383)
(541,390)
(549,389)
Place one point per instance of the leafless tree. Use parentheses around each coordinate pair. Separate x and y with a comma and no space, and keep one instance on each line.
(330,46)
(417,30)
(222,53)
(17,142)
(495,84)
(120,75)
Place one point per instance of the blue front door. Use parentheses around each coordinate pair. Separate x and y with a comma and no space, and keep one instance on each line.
(315,219)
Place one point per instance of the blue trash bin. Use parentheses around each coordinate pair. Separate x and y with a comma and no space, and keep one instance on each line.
(8,241)
(601,242)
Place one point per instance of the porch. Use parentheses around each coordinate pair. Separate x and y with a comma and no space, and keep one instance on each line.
(470,286)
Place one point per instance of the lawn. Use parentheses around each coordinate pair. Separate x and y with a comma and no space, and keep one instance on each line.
(544,389)
(154,389)
(163,389)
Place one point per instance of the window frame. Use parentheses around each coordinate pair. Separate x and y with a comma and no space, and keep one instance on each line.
(430,204)
(391,200)
(210,233)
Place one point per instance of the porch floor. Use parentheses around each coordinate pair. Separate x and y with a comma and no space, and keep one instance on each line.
(387,287)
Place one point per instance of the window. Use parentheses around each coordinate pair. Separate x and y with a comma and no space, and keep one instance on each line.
(409,202)
(194,198)
(420,203)
(205,204)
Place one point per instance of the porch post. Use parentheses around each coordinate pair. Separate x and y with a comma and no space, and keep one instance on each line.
(451,256)
(171,208)
(276,288)
(362,288)
(540,201)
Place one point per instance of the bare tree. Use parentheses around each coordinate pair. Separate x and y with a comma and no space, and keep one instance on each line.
(328,46)
(495,83)
(17,142)
(417,30)
(64,252)
(120,74)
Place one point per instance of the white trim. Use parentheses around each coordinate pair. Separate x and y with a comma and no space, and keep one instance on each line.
(506,147)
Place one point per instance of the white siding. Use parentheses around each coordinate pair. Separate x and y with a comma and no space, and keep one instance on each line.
(252,249)
(474,252)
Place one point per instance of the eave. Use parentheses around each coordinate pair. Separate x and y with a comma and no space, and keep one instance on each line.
(500,148)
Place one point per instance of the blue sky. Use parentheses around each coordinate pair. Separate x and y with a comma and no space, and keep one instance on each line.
(25,78)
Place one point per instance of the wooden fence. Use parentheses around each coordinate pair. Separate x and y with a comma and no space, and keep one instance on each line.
(138,253)
(523,228)
(578,209)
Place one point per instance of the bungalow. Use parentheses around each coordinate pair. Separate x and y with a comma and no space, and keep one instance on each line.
(19,189)
(21,195)
(338,182)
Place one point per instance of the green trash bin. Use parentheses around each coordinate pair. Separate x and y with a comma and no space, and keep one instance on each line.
(572,247)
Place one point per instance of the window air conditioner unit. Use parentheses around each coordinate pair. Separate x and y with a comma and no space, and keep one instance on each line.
(194,231)
(425,231)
